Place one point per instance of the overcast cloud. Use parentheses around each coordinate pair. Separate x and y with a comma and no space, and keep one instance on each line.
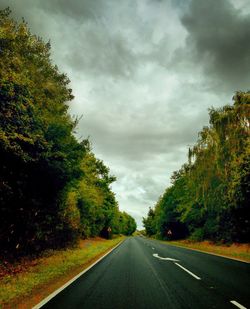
(144,74)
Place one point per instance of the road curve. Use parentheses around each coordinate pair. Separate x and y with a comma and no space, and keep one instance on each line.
(143,273)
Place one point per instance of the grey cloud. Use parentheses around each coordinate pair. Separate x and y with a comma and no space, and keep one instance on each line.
(219,42)
(116,38)
(124,39)
(96,53)
(137,72)
(140,143)
(81,10)
(99,48)
(140,133)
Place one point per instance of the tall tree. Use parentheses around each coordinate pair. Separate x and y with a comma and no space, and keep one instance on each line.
(210,193)
(39,154)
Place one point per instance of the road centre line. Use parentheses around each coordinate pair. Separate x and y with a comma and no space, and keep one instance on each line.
(48,298)
(189,272)
(156,255)
(234,302)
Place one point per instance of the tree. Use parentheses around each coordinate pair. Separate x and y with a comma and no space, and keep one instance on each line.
(39,154)
(209,195)
(149,223)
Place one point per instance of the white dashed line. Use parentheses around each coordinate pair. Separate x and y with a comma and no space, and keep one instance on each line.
(234,302)
(189,272)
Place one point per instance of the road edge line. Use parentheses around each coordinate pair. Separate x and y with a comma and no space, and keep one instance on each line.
(53,294)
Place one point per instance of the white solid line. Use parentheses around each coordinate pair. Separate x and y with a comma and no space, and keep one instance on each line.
(234,302)
(189,272)
(48,298)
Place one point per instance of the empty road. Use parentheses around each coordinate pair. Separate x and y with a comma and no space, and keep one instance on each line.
(143,273)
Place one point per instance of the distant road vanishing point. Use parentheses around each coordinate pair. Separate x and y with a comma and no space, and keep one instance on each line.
(143,273)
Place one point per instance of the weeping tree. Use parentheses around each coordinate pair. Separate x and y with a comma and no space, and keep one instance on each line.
(210,193)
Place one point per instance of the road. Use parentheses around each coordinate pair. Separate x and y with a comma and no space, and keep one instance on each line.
(143,273)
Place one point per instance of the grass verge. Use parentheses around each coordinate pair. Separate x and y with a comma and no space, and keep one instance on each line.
(235,251)
(33,283)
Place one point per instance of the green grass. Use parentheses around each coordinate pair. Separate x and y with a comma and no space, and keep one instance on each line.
(57,264)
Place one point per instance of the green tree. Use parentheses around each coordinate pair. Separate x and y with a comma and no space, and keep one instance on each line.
(149,223)
(209,196)
(39,154)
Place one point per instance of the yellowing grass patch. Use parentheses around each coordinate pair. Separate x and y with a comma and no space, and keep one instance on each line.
(48,273)
(237,251)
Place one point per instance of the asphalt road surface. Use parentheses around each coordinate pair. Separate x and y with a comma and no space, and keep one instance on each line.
(143,273)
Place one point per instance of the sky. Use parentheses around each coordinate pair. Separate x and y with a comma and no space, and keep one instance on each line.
(144,74)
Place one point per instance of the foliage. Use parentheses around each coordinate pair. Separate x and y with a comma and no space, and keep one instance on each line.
(126,224)
(149,223)
(52,188)
(209,196)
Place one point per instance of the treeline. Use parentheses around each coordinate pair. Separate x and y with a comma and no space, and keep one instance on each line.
(210,195)
(52,188)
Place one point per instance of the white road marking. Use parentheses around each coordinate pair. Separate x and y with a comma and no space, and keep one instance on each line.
(234,302)
(189,272)
(47,299)
(165,259)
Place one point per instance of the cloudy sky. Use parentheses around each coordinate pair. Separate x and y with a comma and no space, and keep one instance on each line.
(144,73)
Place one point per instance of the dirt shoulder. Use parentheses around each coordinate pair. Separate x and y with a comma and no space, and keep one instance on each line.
(24,284)
(235,251)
